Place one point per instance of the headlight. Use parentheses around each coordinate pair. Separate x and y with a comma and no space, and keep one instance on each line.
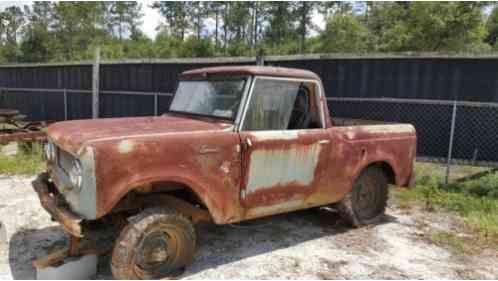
(76,174)
(50,151)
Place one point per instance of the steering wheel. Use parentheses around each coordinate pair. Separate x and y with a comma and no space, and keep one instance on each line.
(300,117)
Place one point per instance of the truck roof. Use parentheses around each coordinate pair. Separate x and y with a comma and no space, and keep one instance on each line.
(250,70)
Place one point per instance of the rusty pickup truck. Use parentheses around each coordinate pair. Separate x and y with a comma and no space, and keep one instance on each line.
(238,143)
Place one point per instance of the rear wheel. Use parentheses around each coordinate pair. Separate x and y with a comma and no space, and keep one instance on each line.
(366,203)
(157,243)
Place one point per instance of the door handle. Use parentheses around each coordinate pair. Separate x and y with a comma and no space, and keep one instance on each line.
(324,142)
(248,142)
(207,149)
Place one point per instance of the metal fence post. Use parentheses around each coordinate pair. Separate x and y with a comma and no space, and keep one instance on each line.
(155,105)
(450,146)
(95,84)
(65,104)
(260,58)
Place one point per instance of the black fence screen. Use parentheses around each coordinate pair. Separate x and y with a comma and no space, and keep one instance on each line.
(417,90)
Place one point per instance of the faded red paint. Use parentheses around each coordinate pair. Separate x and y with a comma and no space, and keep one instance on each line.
(211,159)
(250,70)
(72,135)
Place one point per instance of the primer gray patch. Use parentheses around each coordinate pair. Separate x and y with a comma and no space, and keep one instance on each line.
(270,168)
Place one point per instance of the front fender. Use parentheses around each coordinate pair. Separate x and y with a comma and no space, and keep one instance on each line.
(208,163)
(211,202)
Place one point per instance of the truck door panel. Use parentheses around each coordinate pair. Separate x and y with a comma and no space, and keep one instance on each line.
(282,165)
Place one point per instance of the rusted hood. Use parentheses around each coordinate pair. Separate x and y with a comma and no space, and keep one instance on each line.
(72,135)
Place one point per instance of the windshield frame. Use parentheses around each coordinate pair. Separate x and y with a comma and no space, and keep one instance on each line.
(246,80)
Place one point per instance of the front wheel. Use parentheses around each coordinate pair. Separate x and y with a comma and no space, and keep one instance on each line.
(157,243)
(366,203)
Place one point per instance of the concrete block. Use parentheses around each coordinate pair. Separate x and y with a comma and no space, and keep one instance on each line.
(73,268)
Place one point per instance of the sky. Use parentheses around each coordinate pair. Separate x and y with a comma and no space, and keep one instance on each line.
(152,19)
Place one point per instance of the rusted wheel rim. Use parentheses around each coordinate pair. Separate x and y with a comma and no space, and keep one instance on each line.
(157,253)
(367,198)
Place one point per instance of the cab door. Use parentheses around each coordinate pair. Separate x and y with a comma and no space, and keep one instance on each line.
(282,168)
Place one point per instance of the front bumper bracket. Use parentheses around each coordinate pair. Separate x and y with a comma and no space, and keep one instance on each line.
(59,212)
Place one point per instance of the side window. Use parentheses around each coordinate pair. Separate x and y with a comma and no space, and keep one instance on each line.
(282,105)
(271,105)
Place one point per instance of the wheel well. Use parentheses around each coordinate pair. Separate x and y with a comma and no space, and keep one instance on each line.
(176,189)
(388,171)
(172,194)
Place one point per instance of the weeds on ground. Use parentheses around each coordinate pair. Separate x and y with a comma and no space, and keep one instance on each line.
(475,201)
(451,240)
(24,162)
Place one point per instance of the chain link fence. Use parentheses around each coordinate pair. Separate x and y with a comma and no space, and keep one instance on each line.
(450,132)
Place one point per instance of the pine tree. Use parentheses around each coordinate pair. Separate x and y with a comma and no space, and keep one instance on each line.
(176,16)
(37,42)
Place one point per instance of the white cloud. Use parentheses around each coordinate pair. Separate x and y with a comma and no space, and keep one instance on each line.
(5,4)
(319,21)
(151,19)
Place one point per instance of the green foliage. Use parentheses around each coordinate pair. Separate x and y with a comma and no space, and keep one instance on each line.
(438,26)
(123,18)
(166,46)
(193,47)
(62,31)
(492,27)
(280,31)
(476,201)
(25,162)
(176,15)
(485,187)
(428,26)
(238,48)
(451,240)
(141,47)
(344,33)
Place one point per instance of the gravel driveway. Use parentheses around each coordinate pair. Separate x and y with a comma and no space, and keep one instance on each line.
(308,244)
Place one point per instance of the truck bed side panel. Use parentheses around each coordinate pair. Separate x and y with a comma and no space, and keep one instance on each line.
(357,147)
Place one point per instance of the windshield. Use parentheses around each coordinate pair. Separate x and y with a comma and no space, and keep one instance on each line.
(213,98)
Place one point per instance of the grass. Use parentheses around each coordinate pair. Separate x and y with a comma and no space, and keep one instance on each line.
(449,239)
(475,201)
(24,162)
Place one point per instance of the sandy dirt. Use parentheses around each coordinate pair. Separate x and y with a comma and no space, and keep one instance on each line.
(308,244)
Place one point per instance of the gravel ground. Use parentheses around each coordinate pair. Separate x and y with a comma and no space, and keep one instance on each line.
(308,244)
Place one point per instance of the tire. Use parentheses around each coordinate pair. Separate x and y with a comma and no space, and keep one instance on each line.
(157,243)
(366,203)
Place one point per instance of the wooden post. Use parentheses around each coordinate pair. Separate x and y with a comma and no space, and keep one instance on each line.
(95,84)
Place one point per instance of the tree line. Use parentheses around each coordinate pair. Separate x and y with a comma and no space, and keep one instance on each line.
(68,31)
